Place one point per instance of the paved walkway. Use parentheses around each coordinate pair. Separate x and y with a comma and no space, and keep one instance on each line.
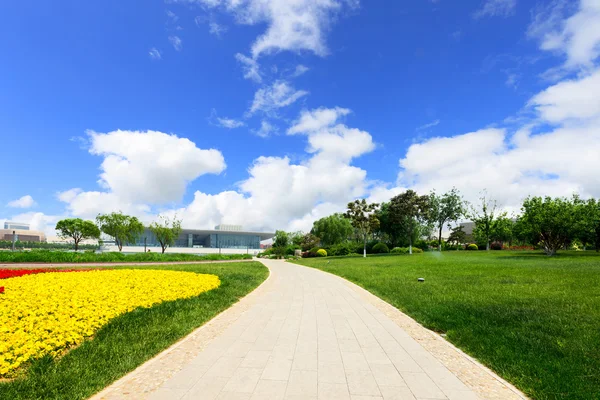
(306,334)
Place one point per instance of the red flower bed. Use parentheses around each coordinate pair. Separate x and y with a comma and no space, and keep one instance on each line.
(11,273)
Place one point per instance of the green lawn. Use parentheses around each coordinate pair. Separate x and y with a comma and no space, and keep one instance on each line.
(533,319)
(57,256)
(129,340)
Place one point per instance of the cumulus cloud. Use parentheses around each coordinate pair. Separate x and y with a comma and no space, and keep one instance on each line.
(23,202)
(143,167)
(39,221)
(496,8)
(577,37)
(300,70)
(552,161)
(266,129)
(270,98)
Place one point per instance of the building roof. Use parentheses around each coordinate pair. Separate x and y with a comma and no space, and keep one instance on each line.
(206,232)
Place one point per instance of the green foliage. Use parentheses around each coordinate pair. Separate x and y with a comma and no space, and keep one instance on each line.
(321,253)
(122,228)
(281,239)
(472,246)
(380,248)
(399,250)
(417,250)
(588,222)
(550,222)
(135,337)
(7,244)
(309,241)
(343,249)
(444,209)
(332,230)
(409,211)
(295,238)
(457,236)
(532,319)
(47,256)
(394,232)
(166,231)
(363,218)
(485,219)
(77,229)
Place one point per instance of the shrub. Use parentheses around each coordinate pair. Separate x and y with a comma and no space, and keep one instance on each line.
(321,253)
(421,244)
(380,248)
(399,250)
(370,245)
(472,246)
(496,246)
(342,249)
(417,250)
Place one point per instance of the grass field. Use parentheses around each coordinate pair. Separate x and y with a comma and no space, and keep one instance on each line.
(49,256)
(129,340)
(533,319)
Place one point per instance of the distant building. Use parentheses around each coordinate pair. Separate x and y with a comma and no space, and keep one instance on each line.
(222,237)
(16,225)
(22,232)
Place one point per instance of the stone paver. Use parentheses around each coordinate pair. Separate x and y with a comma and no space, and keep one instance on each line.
(306,334)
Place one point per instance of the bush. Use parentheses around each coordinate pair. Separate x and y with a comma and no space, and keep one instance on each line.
(370,245)
(321,253)
(417,250)
(496,246)
(47,256)
(399,250)
(472,246)
(342,249)
(380,248)
(421,244)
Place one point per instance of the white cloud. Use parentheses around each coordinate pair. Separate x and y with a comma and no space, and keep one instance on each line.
(300,70)
(151,166)
(176,42)
(154,54)
(577,37)
(39,221)
(428,125)
(570,100)
(291,25)
(250,67)
(23,202)
(315,120)
(496,8)
(230,123)
(266,129)
(555,161)
(270,98)
(216,29)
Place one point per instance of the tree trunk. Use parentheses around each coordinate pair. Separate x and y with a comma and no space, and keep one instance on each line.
(163,248)
(76,245)
(440,240)
(119,244)
(365,246)
(410,244)
(487,246)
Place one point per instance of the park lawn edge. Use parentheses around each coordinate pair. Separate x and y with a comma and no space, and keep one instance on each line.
(116,349)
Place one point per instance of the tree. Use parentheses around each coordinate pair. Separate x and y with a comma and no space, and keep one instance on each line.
(332,230)
(393,231)
(502,229)
(296,238)
(549,222)
(444,209)
(457,236)
(122,228)
(485,219)
(588,221)
(280,242)
(166,231)
(77,229)
(363,219)
(309,241)
(409,211)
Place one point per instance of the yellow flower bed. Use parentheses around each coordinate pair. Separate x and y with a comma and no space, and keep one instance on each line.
(48,313)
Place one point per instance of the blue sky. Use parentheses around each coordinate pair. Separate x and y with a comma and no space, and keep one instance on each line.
(405,73)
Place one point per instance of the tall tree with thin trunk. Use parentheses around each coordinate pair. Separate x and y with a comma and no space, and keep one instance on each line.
(444,209)
(77,229)
(485,217)
(166,231)
(122,228)
(409,211)
(363,219)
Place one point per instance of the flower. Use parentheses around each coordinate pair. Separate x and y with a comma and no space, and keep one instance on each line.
(48,313)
